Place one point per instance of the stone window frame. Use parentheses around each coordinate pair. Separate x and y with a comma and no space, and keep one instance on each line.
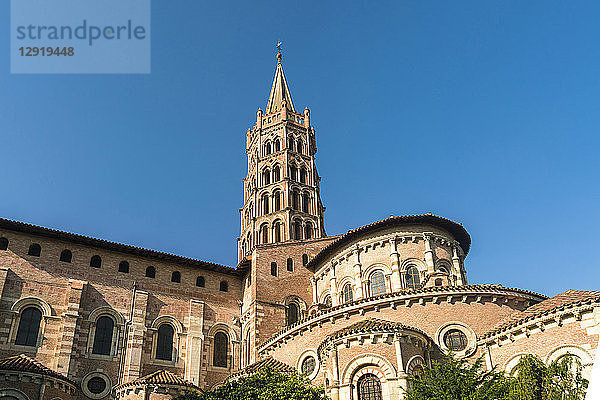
(232,339)
(310,352)
(178,331)
(17,310)
(586,359)
(300,303)
(369,363)
(119,323)
(464,328)
(511,363)
(343,283)
(91,375)
(369,271)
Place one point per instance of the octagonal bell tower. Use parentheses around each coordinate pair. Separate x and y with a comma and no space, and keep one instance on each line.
(282,199)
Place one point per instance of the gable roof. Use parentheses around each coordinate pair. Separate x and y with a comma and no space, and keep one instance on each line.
(23,363)
(268,362)
(36,230)
(157,378)
(457,230)
(570,298)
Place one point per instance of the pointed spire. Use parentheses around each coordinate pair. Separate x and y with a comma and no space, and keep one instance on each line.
(279,91)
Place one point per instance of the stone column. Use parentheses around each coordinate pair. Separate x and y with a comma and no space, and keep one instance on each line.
(428,253)
(402,376)
(315,295)
(333,286)
(135,338)
(358,274)
(65,360)
(395,261)
(456,265)
(335,382)
(195,340)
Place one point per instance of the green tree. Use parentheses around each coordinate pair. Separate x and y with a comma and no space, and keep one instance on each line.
(265,384)
(451,379)
(561,380)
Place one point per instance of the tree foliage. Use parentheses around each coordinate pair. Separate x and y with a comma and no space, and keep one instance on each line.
(265,384)
(452,379)
(561,380)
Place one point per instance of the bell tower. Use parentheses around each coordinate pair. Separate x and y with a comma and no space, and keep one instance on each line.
(282,200)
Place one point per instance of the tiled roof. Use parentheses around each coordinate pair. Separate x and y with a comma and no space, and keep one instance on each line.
(160,377)
(568,299)
(268,362)
(23,363)
(17,226)
(457,230)
(372,325)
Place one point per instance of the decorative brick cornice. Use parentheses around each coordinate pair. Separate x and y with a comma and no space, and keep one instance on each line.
(405,297)
(30,229)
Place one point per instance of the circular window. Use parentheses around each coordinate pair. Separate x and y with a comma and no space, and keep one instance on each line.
(308,365)
(96,385)
(455,340)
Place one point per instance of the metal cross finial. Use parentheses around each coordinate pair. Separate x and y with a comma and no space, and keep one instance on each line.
(279,46)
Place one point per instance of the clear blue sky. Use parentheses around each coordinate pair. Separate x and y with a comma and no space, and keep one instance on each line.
(485,112)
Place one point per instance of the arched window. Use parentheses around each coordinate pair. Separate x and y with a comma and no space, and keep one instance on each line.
(224,286)
(96,261)
(267,148)
(308,231)
(266,175)
(302,175)
(264,234)
(292,314)
(299,146)
(124,267)
(276,173)
(304,260)
(327,301)
(290,144)
(293,173)
(347,293)
(276,200)
(34,250)
(164,342)
(150,272)
(290,265)
(297,230)
(412,277)
(305,202)
(176,277)
(277,231)
(295,199)
(3,243)
(377,283)
(369,387)
(265,203)
(220,350)
(29,327)
(200,282)
(103,336)
(274,268)
(66,256)
(276,145)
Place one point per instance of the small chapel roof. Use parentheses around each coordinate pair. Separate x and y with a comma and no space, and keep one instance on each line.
(279,91)
(373,325)
(569,299)
(23,363)
(268,362)
(157,378)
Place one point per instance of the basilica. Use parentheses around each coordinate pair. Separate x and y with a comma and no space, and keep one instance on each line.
(358,312)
